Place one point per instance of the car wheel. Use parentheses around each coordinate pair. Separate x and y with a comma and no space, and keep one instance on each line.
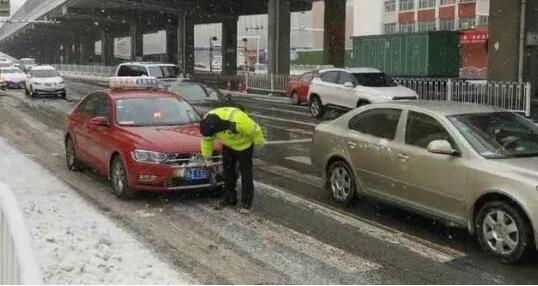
(341,182)
(32,93)
(73,163)
(316,108)
(504,231)
(26,91)
(295,98)
(119,178)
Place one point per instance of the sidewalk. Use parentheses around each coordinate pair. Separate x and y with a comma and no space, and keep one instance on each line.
(73,241)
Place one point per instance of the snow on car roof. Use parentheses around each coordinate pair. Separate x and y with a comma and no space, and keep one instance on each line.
(38,68)
(353,70)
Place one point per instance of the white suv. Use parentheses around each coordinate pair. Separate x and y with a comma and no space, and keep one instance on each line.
(353,87)
(160,71)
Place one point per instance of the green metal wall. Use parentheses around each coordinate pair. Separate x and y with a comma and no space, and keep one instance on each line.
(314,57)
(431,54)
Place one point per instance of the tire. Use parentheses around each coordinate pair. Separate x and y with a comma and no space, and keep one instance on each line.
(26,91)
(295,98)
(32,93)
(71,160)
(316,107)
(494,233)
(341,183)
(119,179)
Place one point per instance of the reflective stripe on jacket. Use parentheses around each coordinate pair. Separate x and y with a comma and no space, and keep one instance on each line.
(248,131)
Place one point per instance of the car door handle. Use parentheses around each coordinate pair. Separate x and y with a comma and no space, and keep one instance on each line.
(351,144)
(403,157)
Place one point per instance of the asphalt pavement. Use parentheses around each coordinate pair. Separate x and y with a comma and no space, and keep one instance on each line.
(367,242)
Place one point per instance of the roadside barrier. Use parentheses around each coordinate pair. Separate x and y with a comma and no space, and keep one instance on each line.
(17,261)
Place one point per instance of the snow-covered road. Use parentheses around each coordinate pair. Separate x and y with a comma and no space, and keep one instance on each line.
(74,242)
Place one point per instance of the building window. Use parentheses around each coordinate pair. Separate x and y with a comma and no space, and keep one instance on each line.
(447,2)
(390,5)
(407,27)
(426,26)
(422,4)
(390,28)
(467,23)
(446,25)
(407,5)
(467,1)
(483,20)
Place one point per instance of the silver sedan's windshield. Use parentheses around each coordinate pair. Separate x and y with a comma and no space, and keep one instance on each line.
(499,134)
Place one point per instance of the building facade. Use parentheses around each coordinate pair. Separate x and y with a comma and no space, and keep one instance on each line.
(408,16)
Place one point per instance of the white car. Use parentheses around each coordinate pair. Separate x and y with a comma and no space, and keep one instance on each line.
(12,77)
(45,80)
(163,72)
(350,88)
(27,64)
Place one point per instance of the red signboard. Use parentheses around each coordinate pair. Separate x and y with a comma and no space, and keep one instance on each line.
(474,37)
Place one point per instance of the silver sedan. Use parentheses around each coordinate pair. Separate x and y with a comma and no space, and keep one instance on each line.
(470,165)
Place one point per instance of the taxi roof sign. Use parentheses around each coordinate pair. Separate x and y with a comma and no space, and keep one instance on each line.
(133,82)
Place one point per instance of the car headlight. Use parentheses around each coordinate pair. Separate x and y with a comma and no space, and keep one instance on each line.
(144,156)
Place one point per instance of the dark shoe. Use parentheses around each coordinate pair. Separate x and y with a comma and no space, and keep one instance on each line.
(225,204)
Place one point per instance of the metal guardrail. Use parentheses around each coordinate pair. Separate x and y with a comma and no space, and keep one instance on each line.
(509,95)
(513,96)
(17,261)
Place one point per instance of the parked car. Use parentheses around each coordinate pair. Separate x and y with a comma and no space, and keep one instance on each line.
(45,80)
(27,64)
(473,166)
(142,138)
(201,96)
(298,88)
(12,77)
(163,72)
(346,89)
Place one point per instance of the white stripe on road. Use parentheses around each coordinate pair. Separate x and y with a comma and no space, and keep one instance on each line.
(300,159)
(282,120)
(414,244)
(294,141)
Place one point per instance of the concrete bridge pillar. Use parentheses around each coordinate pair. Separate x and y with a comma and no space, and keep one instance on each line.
(334,51)
(185,47)
(279,37)
(172,44)
(107,47)
(229,46)
(137,42)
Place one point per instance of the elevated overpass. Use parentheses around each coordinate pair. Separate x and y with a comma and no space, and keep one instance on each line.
(81,23)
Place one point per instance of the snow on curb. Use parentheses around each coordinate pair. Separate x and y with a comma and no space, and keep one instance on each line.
(74,242)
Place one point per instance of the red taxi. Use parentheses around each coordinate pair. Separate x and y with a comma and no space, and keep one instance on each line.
(142,138)
(297,88)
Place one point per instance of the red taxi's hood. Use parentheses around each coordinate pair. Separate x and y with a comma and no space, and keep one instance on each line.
(166,139)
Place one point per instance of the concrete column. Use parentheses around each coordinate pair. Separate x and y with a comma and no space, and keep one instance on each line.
(137,42)
(107,48)
(186,44)
(172,44)
(279,37)
(334,51)
(75,49)
(229,46)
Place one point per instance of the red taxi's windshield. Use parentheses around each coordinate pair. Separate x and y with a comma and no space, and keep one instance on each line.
(163,111)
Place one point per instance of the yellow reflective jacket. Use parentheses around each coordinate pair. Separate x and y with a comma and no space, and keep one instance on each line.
(248,131)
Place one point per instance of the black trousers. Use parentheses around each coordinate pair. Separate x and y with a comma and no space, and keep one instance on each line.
(230,160)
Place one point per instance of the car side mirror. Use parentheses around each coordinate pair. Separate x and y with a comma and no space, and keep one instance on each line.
(349,85)
(100,121)
(441,147)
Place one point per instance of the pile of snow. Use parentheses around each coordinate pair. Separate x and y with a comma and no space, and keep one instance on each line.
(74,242)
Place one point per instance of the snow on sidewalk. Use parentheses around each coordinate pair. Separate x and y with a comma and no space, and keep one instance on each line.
(73,241)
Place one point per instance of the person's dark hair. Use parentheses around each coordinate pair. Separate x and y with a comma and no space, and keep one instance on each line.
(209,125)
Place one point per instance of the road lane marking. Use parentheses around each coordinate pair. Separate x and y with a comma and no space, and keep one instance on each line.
(282,120)
(414,244)
(293,141)
(291,174)
(300,159)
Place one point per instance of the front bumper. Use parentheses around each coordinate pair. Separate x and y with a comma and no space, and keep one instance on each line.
(49,90)
(163,178)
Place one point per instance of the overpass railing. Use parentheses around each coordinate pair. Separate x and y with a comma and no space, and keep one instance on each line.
(513,96)
(17,261)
